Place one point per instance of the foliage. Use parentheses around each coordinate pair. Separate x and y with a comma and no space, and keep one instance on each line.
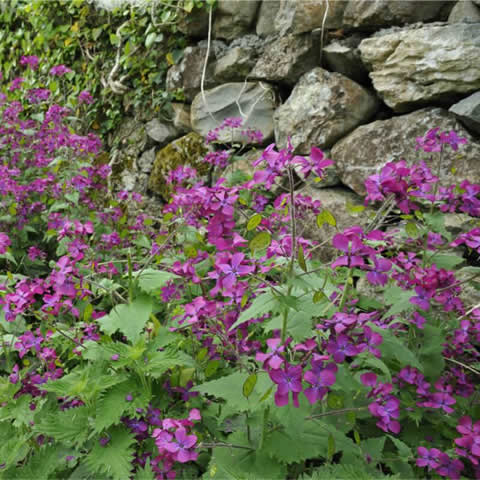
(87,38)
(210,342)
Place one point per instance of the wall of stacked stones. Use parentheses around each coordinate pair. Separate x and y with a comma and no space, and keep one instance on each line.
(360,79)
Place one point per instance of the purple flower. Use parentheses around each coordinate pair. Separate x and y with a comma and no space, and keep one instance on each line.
(272,359)
(182,446)
(30,60)
(341,348)
(59,70)
(85,97)
(428,458)
(5,242)
(320,380)
(287,380)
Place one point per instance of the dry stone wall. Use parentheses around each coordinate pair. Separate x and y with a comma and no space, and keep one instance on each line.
(359,78)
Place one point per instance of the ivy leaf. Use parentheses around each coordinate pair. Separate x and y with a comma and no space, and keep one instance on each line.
(130,319)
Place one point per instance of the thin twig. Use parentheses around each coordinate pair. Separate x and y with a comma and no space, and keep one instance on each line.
(335,412)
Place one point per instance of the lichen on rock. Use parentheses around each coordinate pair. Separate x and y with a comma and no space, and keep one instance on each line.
(188,150)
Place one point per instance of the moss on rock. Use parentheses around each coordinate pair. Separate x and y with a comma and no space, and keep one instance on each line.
(188,150)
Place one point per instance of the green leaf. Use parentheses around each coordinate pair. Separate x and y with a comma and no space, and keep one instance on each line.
(412,230)
(393,348)
(243,464)
(260,241)
(326,217)
(231,387)
(151,280)
(150,39)
(162,361)
(249,385)
(301,259)
(113,403)
(262,304)
(448,262)
(145,473)
(431,351)
(70,426)
(254,222)
(404,450)
(129,319)
(115,458)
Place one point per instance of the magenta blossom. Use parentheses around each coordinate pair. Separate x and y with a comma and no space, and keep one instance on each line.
(287,380)
(59,70)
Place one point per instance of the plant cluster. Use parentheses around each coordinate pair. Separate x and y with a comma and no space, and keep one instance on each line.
(210,341)
(121,56)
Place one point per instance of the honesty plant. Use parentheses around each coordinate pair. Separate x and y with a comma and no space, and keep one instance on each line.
(210,340)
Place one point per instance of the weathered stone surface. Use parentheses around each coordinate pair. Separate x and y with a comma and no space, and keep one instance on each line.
(285,60)
(369,147)
(414,66)
(145,162)
(464,11)
(234,18)
(235,65)
(343,56)
(369,15)
(322,108)
(160,132)
(181,117)
(257,103)
(187,74)
(299,16)
(188,150)
(266,15)
(194,23)
(335,200)
(468,112)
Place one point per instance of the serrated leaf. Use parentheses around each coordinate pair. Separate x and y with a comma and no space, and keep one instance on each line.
(261,305)
(162,361)
(393,348)
(115,458)
(70,426)
(130,319)
(151,280)
(448,262)
(230,389)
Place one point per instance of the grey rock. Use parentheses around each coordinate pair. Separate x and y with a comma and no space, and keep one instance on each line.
(414,66)
(234,18)
(335,200)
(181,117)
(235,65)
(343,56)
(299,16)
(161,132)
(145,162)
(464,11)
(266,16)
(322,108)
(468,112)
(257,104)
(371,15)
(187,74)
(364,151)
(194,23)
(287,59)
(250,41)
